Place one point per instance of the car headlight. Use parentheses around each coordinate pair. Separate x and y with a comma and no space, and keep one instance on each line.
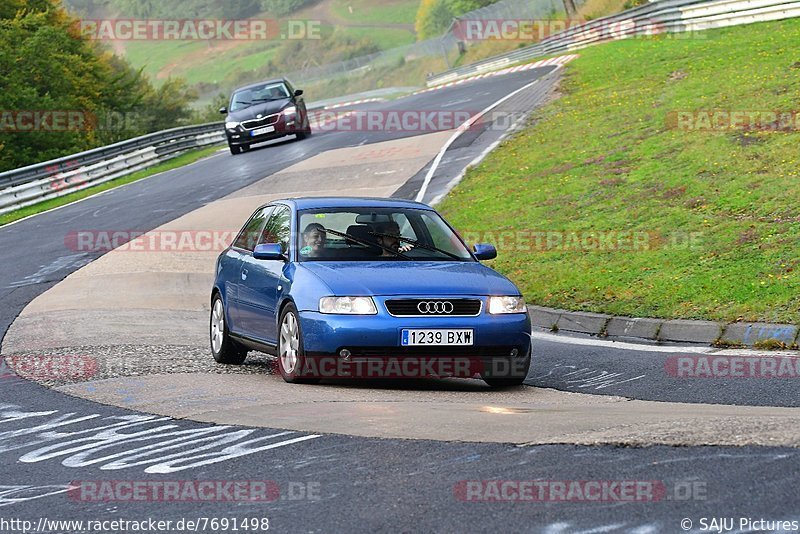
(498,305)
(291,110)
(231,125)
(348,305)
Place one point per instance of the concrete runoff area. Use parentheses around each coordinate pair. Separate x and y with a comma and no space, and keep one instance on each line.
(160,298)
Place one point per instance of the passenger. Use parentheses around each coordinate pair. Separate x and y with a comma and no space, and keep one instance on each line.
(314,238)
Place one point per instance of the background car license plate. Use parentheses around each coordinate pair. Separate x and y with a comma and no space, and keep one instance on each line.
(262,131)
(436,337)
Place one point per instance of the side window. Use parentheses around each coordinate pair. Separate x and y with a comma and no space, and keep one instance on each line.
(278,228)
(442,237)
(248,237)
(406,230)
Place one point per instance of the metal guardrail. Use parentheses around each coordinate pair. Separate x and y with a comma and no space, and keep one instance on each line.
(51,179)
(30,185)
(659,16)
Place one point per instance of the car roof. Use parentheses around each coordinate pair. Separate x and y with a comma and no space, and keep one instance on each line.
(257,84)
(306,203)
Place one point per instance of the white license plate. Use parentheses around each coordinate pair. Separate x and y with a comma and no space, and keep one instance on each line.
(436,337)
(262,131)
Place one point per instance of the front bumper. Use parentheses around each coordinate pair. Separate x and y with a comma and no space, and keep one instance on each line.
(501,346)
(380,335)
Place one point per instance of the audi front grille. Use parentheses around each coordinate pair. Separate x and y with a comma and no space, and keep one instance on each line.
(434,307)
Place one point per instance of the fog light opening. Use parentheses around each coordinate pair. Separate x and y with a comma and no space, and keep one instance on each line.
(345,354)
(514,353)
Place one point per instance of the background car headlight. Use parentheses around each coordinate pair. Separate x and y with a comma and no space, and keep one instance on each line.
(499,305)
(290,111)
(348,305)
(231,125)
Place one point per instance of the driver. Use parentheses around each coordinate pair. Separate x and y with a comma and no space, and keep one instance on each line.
(388,235)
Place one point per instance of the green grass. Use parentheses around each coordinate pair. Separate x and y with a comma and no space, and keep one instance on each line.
(602,158)
(180,161)
(388,37)
(371,12)
(202,62)
(199,62)
(155,55)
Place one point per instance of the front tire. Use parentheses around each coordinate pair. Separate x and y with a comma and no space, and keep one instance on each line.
(306,132)
(511,375)
(291,354)
(235,149)
(224,349)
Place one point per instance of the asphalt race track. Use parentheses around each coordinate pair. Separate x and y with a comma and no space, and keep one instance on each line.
(354,457)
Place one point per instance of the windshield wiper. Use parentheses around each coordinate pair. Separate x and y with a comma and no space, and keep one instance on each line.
(366,243)
(420,245)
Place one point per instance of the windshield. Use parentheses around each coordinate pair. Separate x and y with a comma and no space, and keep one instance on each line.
(377,234)
(254,95)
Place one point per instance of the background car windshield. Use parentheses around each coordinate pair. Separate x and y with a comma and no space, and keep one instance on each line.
(254,95)
(377,234)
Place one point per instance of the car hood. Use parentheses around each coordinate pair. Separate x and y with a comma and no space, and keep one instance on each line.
(410,278)
(263,109)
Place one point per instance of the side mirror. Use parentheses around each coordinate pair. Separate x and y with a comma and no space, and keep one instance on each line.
(299,92)
(223,110)
(485,251)
(269,251)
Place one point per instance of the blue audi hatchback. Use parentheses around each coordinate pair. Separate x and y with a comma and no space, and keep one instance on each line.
(366,287)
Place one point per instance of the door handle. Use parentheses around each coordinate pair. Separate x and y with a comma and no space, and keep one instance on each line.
(244,274)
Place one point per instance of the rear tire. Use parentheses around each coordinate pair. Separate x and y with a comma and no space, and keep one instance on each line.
(224,349)
(511,375)
(291,354)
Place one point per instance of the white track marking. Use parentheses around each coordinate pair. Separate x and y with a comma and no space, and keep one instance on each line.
(595,342)
(461,129)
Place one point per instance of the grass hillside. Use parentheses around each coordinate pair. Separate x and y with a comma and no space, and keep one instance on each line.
(719,208)
(350,28)
(360,26)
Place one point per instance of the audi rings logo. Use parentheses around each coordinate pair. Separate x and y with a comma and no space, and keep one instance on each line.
(435,307)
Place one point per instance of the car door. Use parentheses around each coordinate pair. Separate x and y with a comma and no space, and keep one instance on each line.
(262,279)
(231,264)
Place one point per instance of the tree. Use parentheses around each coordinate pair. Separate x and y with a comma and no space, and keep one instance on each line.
(435,16)
(47,66)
